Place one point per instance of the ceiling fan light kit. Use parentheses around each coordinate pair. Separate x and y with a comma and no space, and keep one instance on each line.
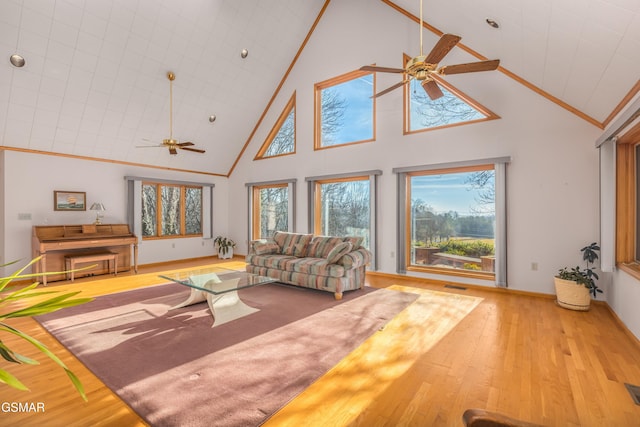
(424,67)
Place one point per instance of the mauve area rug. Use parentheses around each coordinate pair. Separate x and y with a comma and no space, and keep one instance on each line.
(174,369)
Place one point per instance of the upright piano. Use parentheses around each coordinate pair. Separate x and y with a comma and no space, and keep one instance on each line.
(55,242)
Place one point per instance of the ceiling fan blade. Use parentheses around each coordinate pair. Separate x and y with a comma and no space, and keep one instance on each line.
(389,89)
(150,146)
(471,67)
(432,89)
(172,150)
(197,150)
(381,69)
(444,45)
(185,144)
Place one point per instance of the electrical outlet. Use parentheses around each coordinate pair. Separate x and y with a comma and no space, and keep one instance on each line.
(393,254)
(173,245)
(534,266)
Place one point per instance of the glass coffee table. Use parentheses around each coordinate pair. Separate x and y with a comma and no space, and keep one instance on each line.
(219,287)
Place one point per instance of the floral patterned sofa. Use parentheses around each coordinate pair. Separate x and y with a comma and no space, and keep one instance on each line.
(333,264)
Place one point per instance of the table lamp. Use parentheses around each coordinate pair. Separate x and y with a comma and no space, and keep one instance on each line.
(98,207)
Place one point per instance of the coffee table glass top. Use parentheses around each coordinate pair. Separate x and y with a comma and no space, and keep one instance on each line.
(217,280)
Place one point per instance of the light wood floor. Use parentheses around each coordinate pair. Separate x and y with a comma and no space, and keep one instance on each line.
(516,354)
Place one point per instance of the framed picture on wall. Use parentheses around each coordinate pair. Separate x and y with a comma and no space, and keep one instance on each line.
(69,201)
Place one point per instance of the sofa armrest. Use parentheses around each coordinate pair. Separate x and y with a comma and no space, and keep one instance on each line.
(355,259)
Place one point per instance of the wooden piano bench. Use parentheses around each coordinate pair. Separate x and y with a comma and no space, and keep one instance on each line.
(73,259)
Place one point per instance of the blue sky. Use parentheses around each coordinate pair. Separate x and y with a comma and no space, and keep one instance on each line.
(358,114)
(445,193)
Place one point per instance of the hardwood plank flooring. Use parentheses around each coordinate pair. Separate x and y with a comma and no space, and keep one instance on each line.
(520,355)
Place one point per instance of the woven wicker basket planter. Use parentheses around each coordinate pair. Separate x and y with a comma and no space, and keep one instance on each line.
(571,295)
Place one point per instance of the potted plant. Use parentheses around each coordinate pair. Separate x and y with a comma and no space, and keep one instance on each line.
(225,247)
(575,286)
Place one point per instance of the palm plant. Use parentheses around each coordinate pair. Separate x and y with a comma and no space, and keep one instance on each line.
(10,310)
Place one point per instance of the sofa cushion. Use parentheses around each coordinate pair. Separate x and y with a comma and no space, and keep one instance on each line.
(338,250)
(270,261)
(321,246)
(314,266)
(292,243)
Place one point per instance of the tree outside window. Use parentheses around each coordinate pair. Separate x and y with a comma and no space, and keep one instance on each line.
(343,208)
(170,210)
(282,138)
(345,110)
(452,109)
(270,210)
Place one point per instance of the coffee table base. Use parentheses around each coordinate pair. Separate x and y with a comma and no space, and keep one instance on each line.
(224,307)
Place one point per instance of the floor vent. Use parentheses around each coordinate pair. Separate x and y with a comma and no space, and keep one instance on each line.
(634,391)
(460,288)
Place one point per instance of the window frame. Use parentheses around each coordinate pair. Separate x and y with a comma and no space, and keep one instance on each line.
(317,205)
(485,275)
(291,106)
(627,197)
(489,115)
(314,198)
(183,210)
(253,191)
(317,103)
(256,208)
(500,166)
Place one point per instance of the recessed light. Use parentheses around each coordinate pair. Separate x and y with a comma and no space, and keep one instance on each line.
(492,23)
(244,53)
(17,60)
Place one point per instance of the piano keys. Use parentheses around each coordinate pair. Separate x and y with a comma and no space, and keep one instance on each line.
(54,242)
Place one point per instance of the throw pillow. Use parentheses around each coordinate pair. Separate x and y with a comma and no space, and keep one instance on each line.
(338,251)
(296,244)
(266,248)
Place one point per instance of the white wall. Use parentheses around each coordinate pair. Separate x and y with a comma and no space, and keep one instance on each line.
(623,297)
(30,180)
(552,180)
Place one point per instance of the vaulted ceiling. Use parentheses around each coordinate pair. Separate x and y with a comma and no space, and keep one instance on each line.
(95,83)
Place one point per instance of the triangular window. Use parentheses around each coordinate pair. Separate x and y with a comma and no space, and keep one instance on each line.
(452,109)
(282,138)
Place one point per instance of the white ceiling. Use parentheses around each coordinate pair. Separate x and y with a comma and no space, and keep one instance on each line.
(95,81)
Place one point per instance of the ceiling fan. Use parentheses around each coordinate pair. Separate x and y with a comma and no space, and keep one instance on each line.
(171,143)
(424,67)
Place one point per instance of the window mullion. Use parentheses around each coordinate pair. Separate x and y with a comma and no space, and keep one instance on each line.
(159,210)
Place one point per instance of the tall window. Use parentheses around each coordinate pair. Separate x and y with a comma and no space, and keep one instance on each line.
(282,138)
(171,210)
(451,219)
(627,239)
(271,207)
(344,205)
(343,208)
(345,110)
(270,210)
